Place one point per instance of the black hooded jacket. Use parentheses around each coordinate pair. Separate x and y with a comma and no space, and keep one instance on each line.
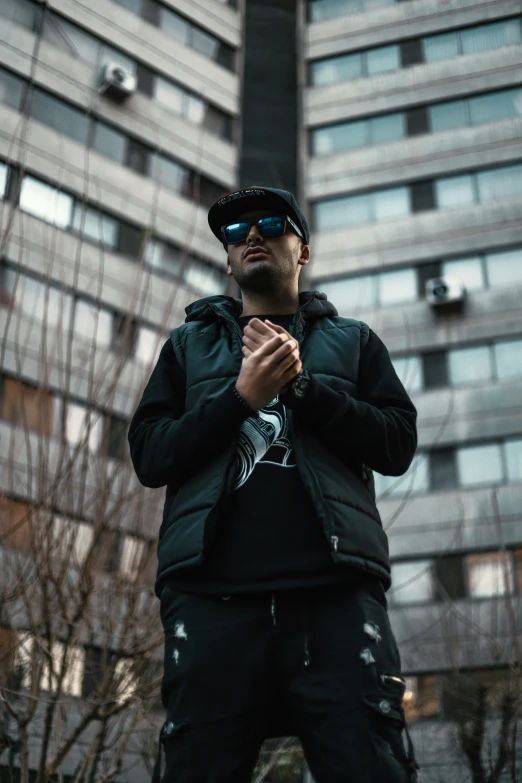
(356,418)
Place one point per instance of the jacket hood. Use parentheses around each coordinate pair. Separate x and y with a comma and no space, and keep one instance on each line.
(312,304)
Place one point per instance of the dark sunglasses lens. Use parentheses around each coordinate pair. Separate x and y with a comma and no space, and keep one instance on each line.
(236,232)
(271,226)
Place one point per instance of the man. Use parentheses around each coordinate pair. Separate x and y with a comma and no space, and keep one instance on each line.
(265,418)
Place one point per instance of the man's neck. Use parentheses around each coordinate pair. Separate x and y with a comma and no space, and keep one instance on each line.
(256,305)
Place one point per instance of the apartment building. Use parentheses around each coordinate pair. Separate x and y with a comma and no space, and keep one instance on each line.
(413,122)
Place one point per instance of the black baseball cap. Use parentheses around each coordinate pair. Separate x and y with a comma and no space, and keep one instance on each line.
(227,208)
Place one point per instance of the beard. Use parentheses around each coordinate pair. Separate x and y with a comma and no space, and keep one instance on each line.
(263,277)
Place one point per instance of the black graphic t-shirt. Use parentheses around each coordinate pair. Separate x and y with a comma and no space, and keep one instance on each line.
(269,536)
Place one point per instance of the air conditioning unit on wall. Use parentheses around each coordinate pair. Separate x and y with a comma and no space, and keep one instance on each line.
(117,82)
(444,292)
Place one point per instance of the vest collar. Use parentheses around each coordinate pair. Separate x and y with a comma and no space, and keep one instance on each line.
(313,304)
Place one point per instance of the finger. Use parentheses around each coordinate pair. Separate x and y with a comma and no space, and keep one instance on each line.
(259,326)
(285,350)
(287,362)
(295,369)
(252,344)
(246,352)
(274,344)
(277,328)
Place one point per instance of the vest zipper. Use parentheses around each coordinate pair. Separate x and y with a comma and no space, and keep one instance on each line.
(334,541)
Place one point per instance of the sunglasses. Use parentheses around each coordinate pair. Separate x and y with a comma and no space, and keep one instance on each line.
(274,226)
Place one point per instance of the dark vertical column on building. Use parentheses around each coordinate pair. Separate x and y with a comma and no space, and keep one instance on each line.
(269,149)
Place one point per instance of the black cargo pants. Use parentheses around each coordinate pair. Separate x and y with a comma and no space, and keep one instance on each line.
(320,664)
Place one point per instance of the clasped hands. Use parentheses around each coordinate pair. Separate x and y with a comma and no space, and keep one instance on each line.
(270,361)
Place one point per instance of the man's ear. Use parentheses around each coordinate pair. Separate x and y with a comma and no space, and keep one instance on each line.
(229,268)
(304,256)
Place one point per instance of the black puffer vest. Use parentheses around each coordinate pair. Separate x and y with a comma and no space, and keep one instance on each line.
(208,347)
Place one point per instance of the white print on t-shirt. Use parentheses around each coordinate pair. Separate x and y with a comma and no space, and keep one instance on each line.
(268,431)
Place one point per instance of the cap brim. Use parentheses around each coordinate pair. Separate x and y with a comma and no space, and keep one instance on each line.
(219,216)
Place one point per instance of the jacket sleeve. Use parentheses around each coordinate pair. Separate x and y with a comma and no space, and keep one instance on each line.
(168,444)
(377,429)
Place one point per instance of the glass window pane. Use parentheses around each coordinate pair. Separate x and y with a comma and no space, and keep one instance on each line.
(109,142)
(454,191)
(513,450)
(504,268)
(391,204)
(71,39)
(82,425)
(134,6)
(353,291)
(440,47)
(342,212)
(340,137)
(148,345)
(412,583)
(397,286)
(489,574)
(11,88)
(384,58)
(162,256)
(38,299)
(479,465)
(45,202)
(445,116)
(95,226)
(468,365)
(3,179)
(389,127)
(204,43)
(169,173)
(414,481)
(504,182)
(495,106)
(57,114)
(21,12)
(409,370)
(92,323)
(170,95)
(337,69)
(174,25)
(469,271)
(195,109)
(369,5)
(206,280)
(490,36)
(508,359)
(321,10)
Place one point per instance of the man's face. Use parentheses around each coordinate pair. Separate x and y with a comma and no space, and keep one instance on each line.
(264,264)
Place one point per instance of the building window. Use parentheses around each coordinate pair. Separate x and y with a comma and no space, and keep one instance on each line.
(470,365)
(71,540)
(96,227)
(46,202)
(147,347)
(194,37)
(132,552)
(22,12)
(508,359)
(82,45)
(83,426)
(409,370)
(61,116)
(499,183)
(3,180)
(412,583)
(11,88)
(204,279)
(355,65)
(478,465)
(14,524)
(37,299)
(504,268)
(162,256)
(490,574)
(435,369)
(472,39)
(453,192)
(48,660)
(34,409)
(421,698)
(321,10)
(469,271)
(442,468)
(109,142)
(134,6)
(450,578)
(138,157)
(170,174)
(445,116)
(92,323)
(513,452)
(415,481)
(356,210)
(115,437)
(124,334)
(397,286)
(359,133)
(495,106)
